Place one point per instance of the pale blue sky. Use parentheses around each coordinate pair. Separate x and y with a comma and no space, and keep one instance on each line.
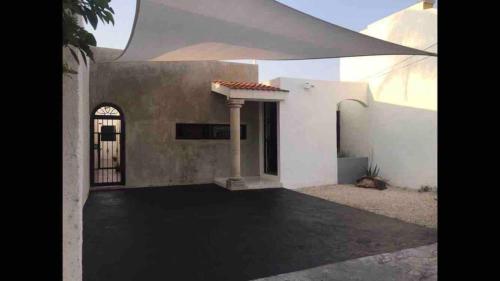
(352,14)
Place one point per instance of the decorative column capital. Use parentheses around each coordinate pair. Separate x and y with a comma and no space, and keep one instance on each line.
(235,103)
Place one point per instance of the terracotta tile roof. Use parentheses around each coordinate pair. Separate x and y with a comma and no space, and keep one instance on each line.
(247,86)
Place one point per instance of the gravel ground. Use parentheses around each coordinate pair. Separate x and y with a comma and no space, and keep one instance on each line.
(407,205)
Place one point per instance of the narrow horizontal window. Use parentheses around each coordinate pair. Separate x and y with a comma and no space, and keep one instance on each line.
(185,131)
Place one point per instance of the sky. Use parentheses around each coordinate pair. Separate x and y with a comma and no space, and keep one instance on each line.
(351,14)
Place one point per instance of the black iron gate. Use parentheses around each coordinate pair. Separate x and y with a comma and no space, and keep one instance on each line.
(107,151)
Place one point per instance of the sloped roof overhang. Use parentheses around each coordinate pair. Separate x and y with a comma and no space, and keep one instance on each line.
(248,91)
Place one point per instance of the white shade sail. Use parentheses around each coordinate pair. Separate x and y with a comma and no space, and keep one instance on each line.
(183,30)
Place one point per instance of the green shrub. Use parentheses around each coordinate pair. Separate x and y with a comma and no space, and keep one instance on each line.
(76,37)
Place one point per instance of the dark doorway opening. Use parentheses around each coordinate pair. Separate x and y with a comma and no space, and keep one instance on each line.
(271,138)
(338,131)
(107,146)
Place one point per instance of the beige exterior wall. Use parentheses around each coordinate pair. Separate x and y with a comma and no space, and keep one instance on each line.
(154,96)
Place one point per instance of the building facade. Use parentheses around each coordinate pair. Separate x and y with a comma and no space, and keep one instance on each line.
(157,97)
(288,136)
(387,105)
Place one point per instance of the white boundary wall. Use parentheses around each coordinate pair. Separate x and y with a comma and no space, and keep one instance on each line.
(400,125)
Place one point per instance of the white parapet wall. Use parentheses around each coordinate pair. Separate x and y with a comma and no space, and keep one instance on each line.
(399,127)
(75,165)
(307,129)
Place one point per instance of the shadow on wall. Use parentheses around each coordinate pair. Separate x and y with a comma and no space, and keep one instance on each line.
(403,123)
(352,129)
(412,84)
(350,169)
(400,124)
(404,143)
(403,140)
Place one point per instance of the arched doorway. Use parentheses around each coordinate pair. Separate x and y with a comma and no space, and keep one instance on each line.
(340,151)
(107,146)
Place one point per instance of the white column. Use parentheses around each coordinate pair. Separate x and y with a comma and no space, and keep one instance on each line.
(235,179)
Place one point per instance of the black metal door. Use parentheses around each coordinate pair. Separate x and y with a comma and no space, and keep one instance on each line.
(107,161)
(271,138)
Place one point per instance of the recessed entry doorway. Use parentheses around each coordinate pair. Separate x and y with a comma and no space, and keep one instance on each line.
(107,151)
(270,138)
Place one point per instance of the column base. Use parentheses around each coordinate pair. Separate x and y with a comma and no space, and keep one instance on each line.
(235,184)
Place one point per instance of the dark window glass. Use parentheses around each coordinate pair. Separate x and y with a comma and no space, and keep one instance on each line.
(206,131)
(338,131)
(190,131)
(220,132)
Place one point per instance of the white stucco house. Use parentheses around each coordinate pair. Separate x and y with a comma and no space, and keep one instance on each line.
(387,114)
(304,121)
(387,111)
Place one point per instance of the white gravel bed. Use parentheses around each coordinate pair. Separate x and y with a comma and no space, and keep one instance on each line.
(407,205)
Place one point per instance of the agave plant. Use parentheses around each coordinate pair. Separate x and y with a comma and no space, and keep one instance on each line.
(371,179)
(372,171)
